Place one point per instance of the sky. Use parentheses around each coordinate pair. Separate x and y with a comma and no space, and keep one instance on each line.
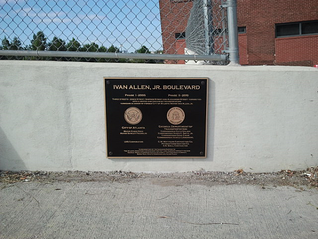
(127,24)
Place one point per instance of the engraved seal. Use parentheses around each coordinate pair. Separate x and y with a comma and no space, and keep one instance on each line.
(175,115)
(133,115)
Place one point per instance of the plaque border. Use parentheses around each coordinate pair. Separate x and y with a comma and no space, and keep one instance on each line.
(159,78)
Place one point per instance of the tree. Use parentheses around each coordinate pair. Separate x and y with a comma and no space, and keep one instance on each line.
(39,42)
(143,49)
(5,44)
(112,48)
(73,45)
(16,44)
(93,47)
(102,49)
(57,44)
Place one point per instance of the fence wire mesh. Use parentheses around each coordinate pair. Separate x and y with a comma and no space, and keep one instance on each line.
(206,31)
(133,27)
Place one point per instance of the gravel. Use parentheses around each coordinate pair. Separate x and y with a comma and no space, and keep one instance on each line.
(298,179)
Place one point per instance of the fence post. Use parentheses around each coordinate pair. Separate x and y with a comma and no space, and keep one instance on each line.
(233,35)
(207,8)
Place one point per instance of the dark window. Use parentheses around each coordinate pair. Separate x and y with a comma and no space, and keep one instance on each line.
(241,30)
(309,27)
(287,30)
(296,28)
(180,35)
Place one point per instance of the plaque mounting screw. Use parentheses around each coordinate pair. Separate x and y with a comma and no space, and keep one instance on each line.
(202,83)
(107,82)
(201,153)
(110,153)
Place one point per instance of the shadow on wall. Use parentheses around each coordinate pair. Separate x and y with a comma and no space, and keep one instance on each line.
(9,158)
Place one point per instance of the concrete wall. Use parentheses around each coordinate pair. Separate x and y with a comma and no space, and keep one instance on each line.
(260,118)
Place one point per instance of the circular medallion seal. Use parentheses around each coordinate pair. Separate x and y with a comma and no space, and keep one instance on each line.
(133,115)
(175,115)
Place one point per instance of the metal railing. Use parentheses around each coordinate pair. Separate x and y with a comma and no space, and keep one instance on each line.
(123,30)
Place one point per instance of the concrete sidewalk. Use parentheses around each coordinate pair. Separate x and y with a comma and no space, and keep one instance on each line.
(155,208)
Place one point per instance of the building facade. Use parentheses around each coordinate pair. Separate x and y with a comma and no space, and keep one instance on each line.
(271,32)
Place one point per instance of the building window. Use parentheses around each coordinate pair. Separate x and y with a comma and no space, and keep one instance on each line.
(296,29)
(241,30)
(180,35)
(287,30)
(310,27)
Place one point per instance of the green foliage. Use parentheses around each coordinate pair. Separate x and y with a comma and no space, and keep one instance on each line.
(14,45)
(112,48)
(73,45)
(143,49)
(40,42)
(5,44)
(92,47)
(57,44)
(102,49)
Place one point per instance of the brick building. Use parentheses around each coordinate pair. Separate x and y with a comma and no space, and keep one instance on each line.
(271,32)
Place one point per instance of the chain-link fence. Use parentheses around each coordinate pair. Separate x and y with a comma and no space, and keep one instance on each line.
(113,30)
(206,31)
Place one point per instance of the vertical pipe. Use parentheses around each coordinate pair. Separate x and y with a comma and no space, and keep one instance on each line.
(233,36)
(223,29)
(207,9)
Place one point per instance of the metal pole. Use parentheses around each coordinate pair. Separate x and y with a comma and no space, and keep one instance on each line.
(233,35)
(223,28)
(207,8)
(214,57)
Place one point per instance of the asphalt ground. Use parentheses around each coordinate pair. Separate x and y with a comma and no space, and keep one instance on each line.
(156,207)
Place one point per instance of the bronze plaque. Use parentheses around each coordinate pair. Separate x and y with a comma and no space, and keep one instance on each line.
(148,118)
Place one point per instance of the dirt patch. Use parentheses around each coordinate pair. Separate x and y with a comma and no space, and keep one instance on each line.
(298,179)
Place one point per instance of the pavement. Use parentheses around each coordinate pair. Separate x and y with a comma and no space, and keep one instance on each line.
(155,208)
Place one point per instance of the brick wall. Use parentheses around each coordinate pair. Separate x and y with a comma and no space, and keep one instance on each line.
(242,38)
(259,45)
(302,50)
(260,18)
(180,45)
(174,17)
